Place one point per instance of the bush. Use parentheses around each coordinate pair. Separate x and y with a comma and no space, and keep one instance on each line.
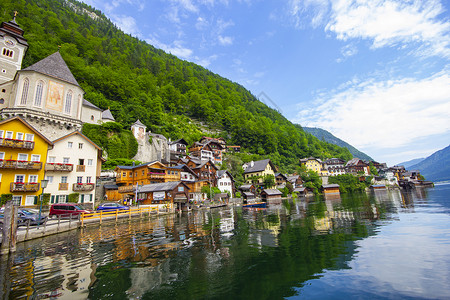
(73,198)
(5,198)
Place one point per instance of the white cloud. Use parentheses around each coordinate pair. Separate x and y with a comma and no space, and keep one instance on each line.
(225,40)
(127,24)
(205,62)
(347,51)
(176,48)
(385,22)
(385,114)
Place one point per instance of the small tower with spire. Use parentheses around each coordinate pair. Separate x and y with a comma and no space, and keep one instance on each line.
(139,131)
(12,49)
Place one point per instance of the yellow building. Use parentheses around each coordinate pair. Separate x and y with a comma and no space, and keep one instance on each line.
(314,164)
(23,154)
(259,169)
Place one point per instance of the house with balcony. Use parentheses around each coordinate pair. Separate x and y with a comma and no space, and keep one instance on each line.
(314,164)
(177,150)
(357,166)
(335,166)
(73,166)
(255,171)
(23,155)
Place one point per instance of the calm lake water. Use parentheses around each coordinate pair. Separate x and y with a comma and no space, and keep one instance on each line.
(389,245)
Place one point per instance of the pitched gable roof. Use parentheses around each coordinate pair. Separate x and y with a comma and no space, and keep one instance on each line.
(107,115)
(157,187)
(54,66)
(89,104)
(259,166)
(29,126)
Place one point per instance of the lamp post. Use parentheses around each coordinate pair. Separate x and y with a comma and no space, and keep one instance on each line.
(44,183)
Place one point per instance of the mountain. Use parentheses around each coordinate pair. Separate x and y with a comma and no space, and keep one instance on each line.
(435,167)
(328,137)
(173,97)
(409,163)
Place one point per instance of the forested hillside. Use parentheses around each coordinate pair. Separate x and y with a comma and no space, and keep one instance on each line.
(136,80)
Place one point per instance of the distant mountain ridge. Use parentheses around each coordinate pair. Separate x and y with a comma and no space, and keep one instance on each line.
(411,162)
(435,167)
(328,137)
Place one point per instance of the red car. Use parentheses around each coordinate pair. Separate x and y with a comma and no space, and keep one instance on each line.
(66,210)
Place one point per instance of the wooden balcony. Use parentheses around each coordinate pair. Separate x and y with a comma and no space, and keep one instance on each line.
(24,187)
(155,175)
(81,168)
(20,165)
(57,167)
(127,188)
(63,186)
(18,144)
(83,187)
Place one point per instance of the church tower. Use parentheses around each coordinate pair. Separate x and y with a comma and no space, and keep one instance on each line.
(12,49)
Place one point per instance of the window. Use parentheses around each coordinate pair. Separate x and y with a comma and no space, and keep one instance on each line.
(80,145)
(26,85)
(17,200)
(143,172)
(35,157)
(32,179)
(66,160)
(181,188)
(9,135)
(63,179)
(79,179)
(29,137)
(2,155)
(92,118)
(38,96)
(19,136)
(81,162)
(29,200)
(88,179)
(22,157)
(69,144)
(50,179)
(0,177)
(91,162)
(1,134)
(19,178)
(51,159)
(124,174)
(62,198)
(68,105)
(7,52)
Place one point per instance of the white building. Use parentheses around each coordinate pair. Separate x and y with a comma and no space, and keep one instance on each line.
(225,182)
(72,167)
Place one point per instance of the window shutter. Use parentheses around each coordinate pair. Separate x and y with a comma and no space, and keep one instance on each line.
(57,199)
(90,198)
(35,200)
(82,198)
(53,199)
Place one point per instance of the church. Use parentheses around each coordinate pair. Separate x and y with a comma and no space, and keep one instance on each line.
(45,94)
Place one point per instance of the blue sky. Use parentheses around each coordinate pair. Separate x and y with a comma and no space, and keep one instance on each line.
(375,73)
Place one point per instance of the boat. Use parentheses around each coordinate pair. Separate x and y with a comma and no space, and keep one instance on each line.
(255,204)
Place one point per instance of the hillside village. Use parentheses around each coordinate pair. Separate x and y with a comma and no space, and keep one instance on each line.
(43,150)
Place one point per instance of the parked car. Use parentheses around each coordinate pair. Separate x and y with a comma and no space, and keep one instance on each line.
(26,217)
(112,206)
(66,210)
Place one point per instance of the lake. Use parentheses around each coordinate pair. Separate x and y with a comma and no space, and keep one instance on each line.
(383,245)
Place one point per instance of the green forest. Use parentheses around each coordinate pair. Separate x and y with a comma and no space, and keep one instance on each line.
(173,97)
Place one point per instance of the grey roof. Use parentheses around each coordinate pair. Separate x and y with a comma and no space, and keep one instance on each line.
(5,28)
(258,166)
(137,166)
(330,185)
(245,187)
(54,66)
(299,189)
(293,178)
(179,141)
(139,123)
(221,172)
(249,194)
(158,187)
(107,115)
(272,192)
(111,186)
(89,104)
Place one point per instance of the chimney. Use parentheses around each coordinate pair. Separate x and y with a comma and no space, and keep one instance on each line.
(252,163)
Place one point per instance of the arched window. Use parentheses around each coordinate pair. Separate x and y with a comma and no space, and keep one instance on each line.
(38,97)
(26,85)
(68,105)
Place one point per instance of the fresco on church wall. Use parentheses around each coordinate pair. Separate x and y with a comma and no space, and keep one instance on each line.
(55,96)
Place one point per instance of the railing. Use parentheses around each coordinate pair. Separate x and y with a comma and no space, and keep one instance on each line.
(153,175)
(20,144)
(81,168)
(24,187)
(83,187)
(20,164)
(63,186)
(127,188)
(114,215)
(58,167)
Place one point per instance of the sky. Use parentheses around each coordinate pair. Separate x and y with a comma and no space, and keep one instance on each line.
(375,73)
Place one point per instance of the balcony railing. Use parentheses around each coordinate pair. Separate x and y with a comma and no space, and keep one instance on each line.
(20,164)
(24,187)
(127,189)
(155,175)
(58,167)
(19,144)
(83,187)
(81,168)
(63,186)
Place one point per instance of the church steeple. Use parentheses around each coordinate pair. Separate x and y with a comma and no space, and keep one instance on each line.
(12,49)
